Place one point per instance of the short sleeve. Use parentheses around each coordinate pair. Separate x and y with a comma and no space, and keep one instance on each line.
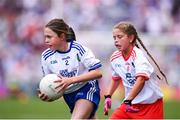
(143,66)
(115,76)
(89,60)
(44,66)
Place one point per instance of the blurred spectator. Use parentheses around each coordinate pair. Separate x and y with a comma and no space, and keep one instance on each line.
(176,16)
(22,39)
(3,89)
(176,10)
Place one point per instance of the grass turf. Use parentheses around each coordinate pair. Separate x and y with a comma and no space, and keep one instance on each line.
(36,109)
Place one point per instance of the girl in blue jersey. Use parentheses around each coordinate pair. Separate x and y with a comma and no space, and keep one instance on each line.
(77,66)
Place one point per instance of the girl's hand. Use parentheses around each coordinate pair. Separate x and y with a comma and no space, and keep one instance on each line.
(63,83)
(129,107)
(43,97)
(107,104)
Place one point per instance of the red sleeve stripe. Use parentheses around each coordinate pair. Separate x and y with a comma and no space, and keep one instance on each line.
(115,55)
(143,74)
(116,78)
(114,58)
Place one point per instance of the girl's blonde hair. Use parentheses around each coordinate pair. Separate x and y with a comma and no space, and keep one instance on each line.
(129,29)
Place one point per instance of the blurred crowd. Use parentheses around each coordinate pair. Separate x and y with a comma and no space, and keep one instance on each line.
(22,23)
(151,16)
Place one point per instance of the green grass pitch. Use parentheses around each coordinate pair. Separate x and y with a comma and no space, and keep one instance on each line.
(36,109)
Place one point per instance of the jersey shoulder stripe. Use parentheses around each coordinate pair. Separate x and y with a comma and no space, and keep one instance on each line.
(79,48)
(75,43)
(95,66)
(48,52)
(115,55)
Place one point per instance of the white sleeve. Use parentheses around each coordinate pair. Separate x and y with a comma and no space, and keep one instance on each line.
(44,67)
(89,60)
(143,66)
(114,74)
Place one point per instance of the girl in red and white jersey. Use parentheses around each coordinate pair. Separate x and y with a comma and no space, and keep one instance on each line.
(143,98)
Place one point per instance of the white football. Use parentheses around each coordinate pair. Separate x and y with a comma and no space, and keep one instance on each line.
(47,86)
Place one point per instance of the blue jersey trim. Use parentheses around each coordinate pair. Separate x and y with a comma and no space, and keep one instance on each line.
(79,48)
(76,46)
(48,55)
(97,65)
(62,52)
(46,52)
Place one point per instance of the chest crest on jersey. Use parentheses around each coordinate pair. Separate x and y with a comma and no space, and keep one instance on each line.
(78,58)
(128,66)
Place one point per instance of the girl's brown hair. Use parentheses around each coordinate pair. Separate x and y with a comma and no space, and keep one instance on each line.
(129,29)
(59,27)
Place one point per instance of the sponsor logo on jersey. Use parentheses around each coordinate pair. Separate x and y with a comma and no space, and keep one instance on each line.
(53,62)
(128,67)
(65,73)
(66,58)
(117,65)
(130,79)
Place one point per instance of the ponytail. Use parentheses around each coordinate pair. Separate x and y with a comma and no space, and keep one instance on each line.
(70,36)
(129,29)
(141,43)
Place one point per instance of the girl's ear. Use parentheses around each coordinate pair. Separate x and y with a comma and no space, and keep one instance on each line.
(131,37)
(62,36)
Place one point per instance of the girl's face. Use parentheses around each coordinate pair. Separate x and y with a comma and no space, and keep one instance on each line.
(121,40)
(52,40)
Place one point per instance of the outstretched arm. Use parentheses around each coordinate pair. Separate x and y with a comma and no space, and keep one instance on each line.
(139,84)
(91,75)
(107,103)
(112,87)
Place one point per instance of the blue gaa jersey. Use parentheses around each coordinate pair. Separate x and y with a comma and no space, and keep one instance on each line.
(76,61)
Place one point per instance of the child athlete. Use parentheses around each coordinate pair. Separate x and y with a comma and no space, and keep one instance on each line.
(143,98)
(77,66)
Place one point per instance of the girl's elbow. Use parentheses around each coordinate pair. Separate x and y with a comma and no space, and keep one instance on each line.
(99,73)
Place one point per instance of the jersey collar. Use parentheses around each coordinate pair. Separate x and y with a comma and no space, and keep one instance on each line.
(128,56)
(69,46)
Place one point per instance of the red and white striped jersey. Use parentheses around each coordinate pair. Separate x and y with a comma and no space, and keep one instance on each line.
(128,69)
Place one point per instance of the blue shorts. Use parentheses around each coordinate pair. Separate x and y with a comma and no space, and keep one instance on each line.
(90,91)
